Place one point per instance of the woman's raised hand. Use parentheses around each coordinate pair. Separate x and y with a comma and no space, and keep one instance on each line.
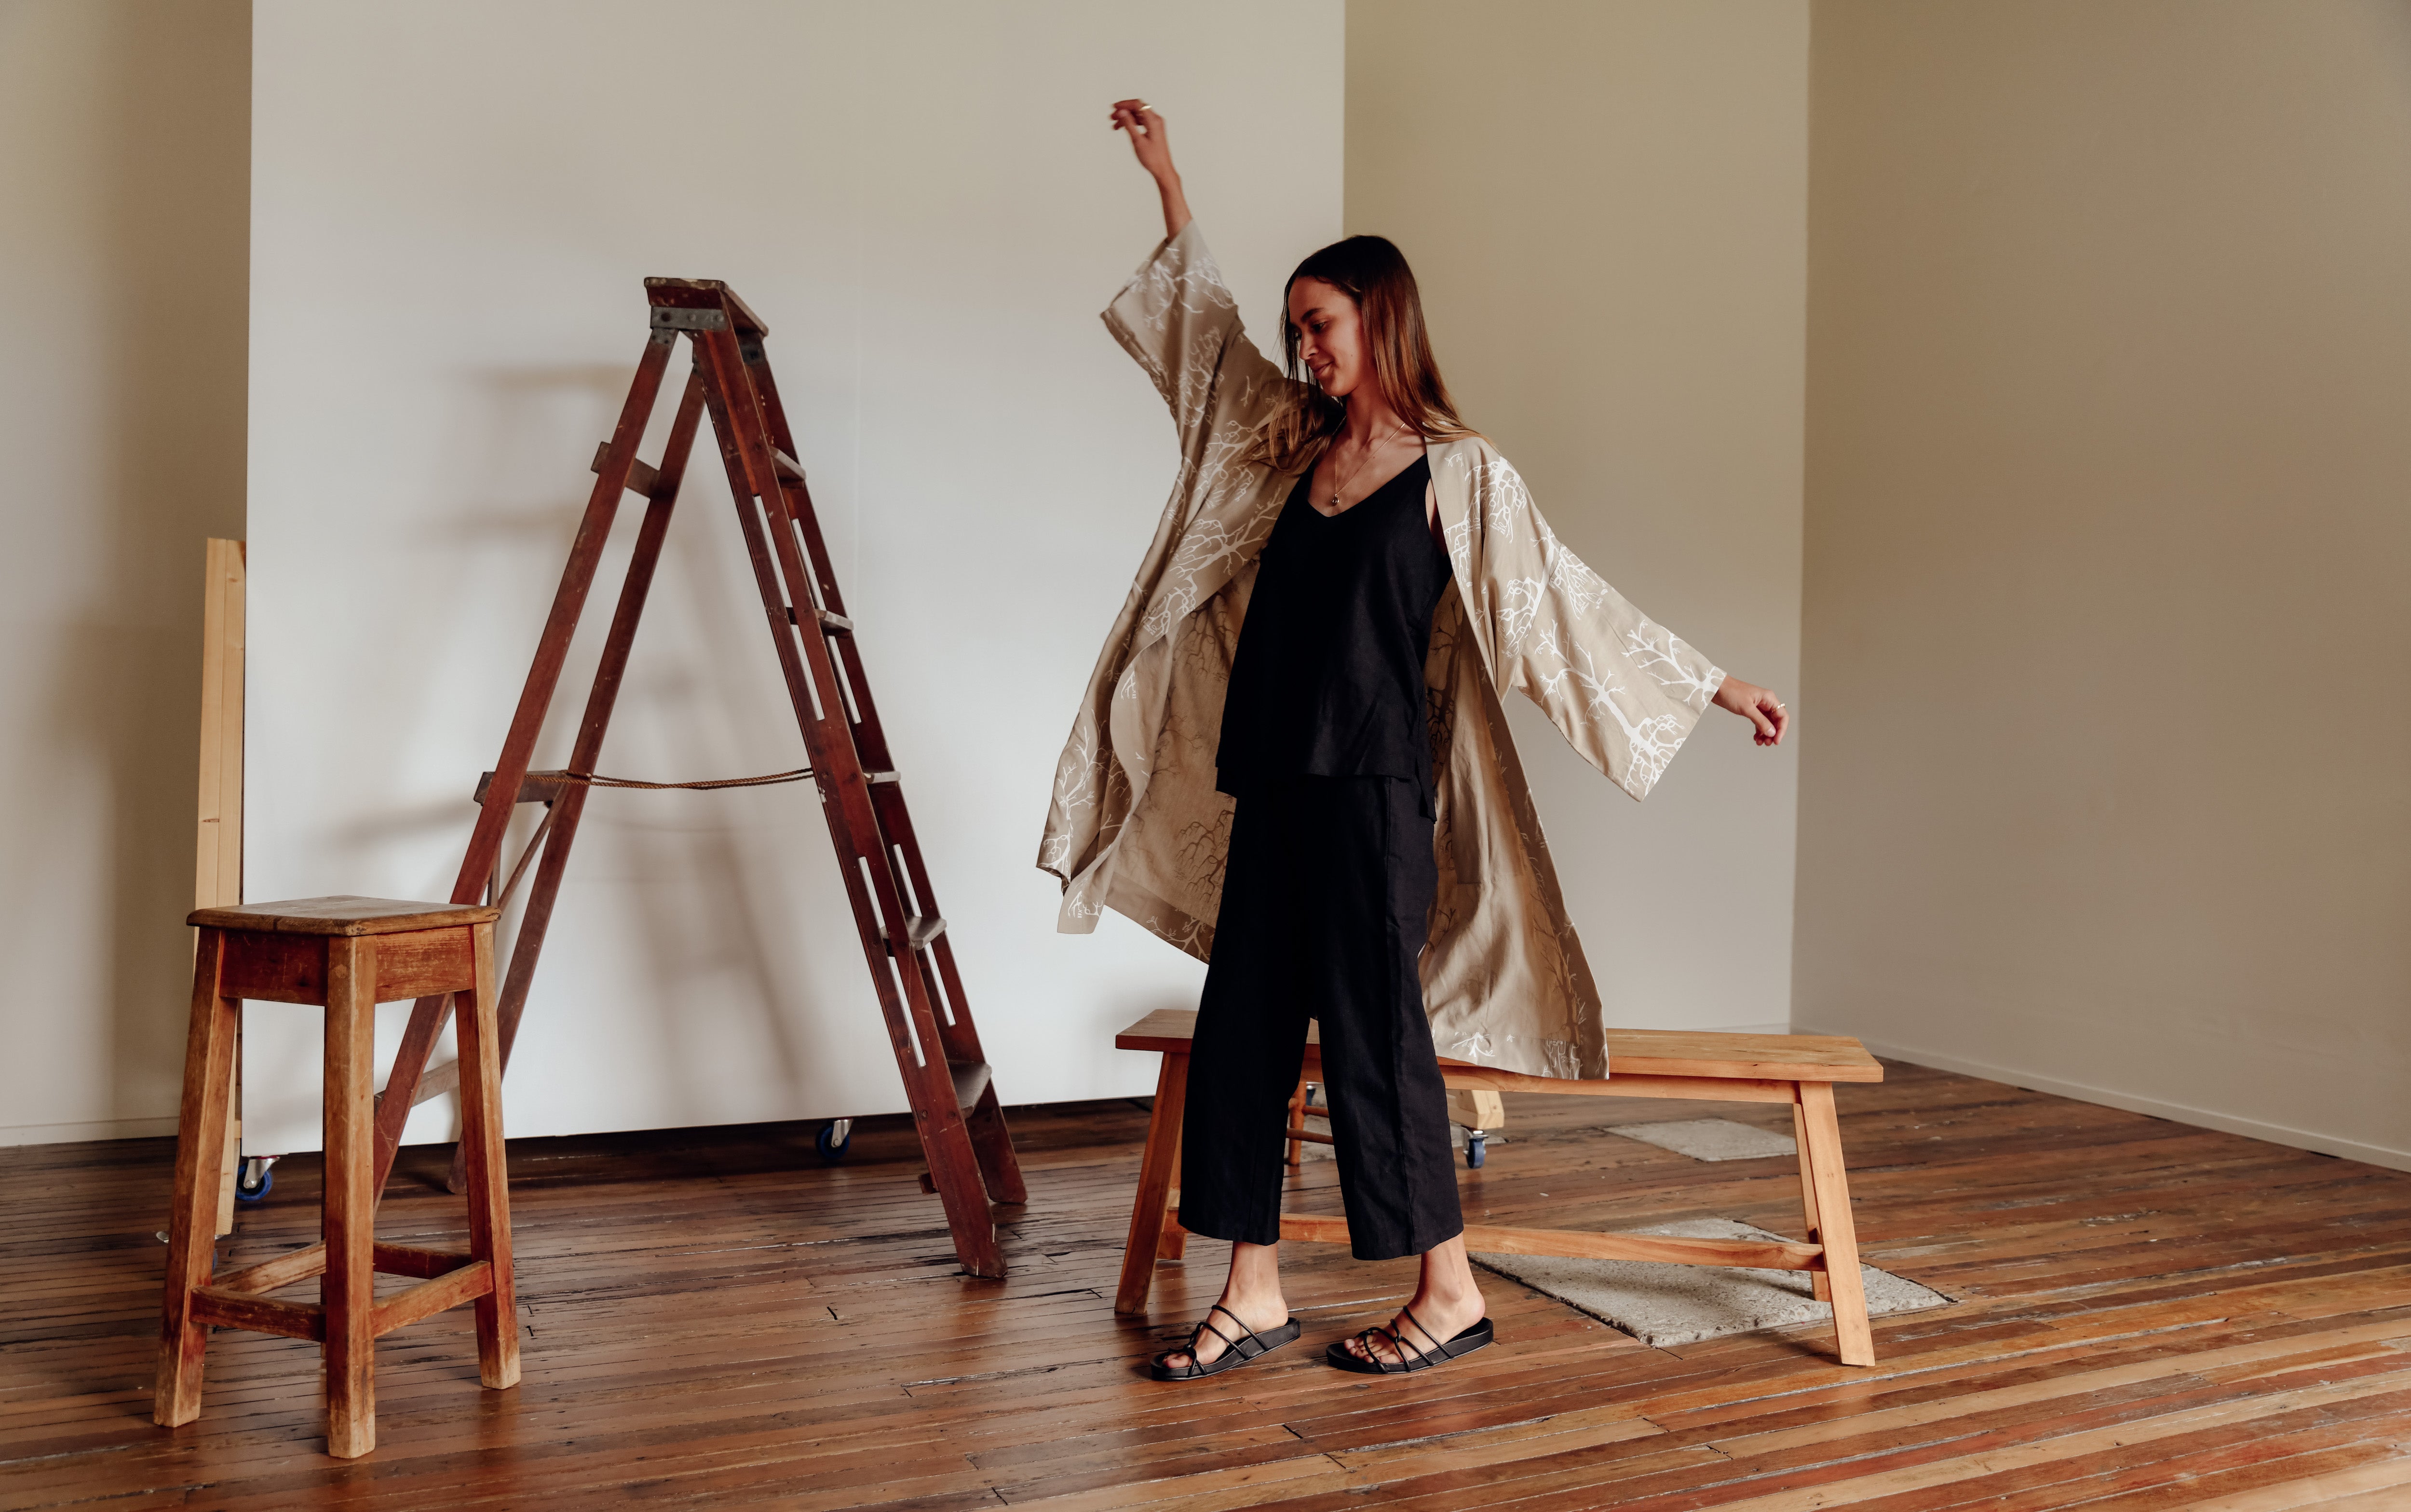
(1145,124)
(1759,705)
(1146,128)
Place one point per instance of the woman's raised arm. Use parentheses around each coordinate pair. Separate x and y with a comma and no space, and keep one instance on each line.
(1154,150)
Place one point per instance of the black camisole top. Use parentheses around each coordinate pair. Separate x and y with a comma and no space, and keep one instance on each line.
(1328,676)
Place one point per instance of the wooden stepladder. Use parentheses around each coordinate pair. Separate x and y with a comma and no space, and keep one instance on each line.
(911,962)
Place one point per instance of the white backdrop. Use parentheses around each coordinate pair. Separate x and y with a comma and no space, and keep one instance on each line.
(453,205)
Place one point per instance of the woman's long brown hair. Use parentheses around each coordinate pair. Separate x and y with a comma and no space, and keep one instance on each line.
(1370,270)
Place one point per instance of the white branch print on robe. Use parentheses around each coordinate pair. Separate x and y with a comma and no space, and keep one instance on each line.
(1624,690)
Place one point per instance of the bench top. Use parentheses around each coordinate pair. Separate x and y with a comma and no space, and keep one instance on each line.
(1702,1052)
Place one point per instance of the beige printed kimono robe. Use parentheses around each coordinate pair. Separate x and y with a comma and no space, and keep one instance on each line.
(1136,824)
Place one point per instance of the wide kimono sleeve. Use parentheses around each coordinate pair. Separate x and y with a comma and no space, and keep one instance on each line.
(1179,320)
(1623,690)
(1130,825)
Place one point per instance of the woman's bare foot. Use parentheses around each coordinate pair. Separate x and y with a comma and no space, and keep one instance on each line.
(1253,1293)
(1446,1302)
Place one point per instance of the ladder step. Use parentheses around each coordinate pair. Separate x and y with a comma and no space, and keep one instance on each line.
(536,787)
(919,929)
(642,476)
(788,467)
(876,777)
(835,623)
(971,1080)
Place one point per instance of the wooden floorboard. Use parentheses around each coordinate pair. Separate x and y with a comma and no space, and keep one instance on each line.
(2144,1315)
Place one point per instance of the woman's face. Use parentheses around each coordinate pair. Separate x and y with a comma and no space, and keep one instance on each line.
(1330,336)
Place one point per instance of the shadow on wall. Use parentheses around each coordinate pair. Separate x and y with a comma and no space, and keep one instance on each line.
(700,893)
(173,171)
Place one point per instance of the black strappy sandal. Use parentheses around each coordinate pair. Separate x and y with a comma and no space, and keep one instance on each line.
(1235,1352)
(1464,1343)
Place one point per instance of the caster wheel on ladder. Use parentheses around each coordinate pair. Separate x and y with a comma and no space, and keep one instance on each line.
(1476,1149)
(254,1180)
(834,1139)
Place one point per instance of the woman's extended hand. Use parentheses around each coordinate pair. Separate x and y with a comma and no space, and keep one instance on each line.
(1145,124)
(1759,705)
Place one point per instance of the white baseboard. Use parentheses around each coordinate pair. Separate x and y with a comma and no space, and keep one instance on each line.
(105,1129)
(2298,1138)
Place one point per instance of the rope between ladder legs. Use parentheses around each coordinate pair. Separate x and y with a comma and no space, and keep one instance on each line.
(503,895)
(592,781)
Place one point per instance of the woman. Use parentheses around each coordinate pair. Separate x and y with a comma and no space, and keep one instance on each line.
(1381,871)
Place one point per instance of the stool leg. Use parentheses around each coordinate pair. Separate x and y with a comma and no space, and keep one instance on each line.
(1851,1335)
(348,1221)
(192,1223)
(1824,1289)
(488,1181)
(1157,1168)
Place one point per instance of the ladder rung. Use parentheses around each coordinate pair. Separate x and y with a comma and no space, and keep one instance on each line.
(919,929)
(883,776)
(536,787)
(971,1080)
(642,476)
(789,467)
(834,623)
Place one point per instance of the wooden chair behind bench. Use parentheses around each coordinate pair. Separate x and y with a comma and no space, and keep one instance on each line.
(1798,1070)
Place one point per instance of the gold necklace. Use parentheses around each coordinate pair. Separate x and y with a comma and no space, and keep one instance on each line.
(1339,484)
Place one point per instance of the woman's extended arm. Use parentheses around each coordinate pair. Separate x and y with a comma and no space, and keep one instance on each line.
(1154,150)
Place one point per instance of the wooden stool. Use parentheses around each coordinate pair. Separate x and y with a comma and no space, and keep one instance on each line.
(1798,1070)
(349,953)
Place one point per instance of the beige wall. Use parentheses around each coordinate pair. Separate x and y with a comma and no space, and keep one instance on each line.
(123,151)
(1606,207)
(2106,504)
(2108,532)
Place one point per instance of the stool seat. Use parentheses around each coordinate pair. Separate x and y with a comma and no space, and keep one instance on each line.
(347,955)
(343,914)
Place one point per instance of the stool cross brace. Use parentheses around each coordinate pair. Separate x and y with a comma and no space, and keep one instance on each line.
(904,941)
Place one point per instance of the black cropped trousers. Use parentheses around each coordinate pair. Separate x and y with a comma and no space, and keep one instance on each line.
(1327,895)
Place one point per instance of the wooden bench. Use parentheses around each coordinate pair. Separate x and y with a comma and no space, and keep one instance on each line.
(1797,1069)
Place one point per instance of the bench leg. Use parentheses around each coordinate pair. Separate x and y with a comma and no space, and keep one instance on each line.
(192,1228)
(1824,1151)
(1174,1245)
(1296,1122)
(1824,1288)
(1158,1170)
